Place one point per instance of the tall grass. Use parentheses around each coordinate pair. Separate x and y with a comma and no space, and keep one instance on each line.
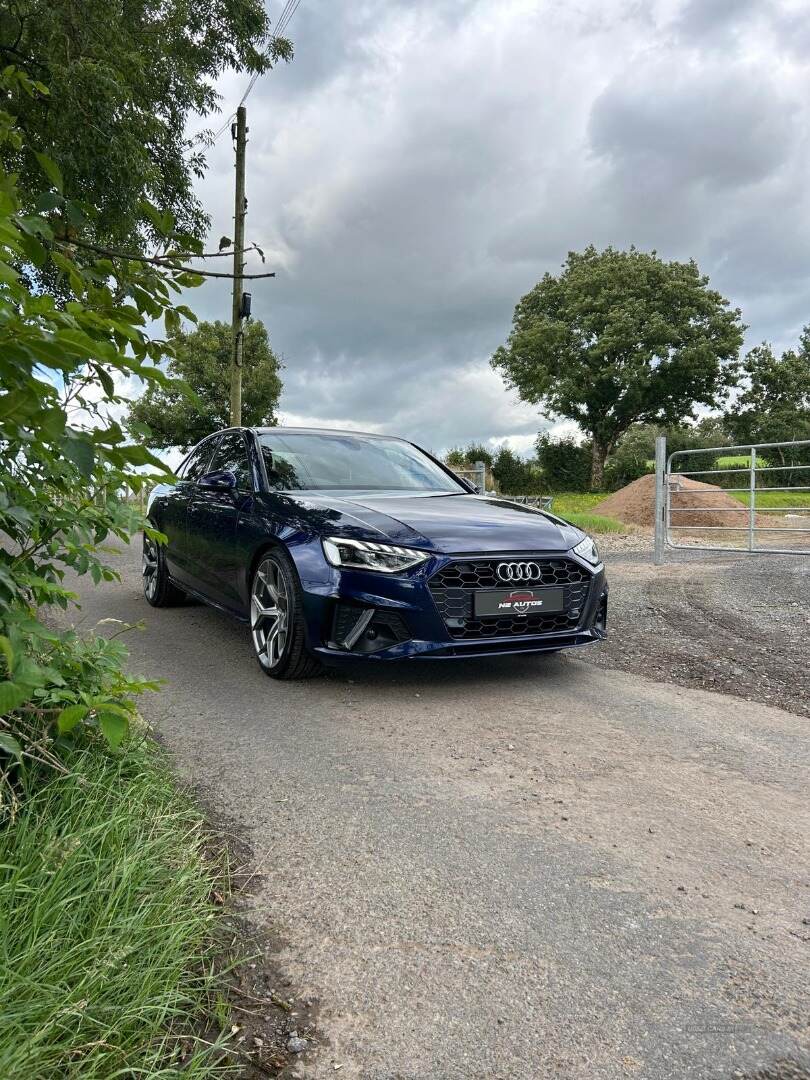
(566,503)
(105,925)
(596,523)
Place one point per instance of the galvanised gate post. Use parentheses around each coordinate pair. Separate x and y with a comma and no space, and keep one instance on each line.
(660,498)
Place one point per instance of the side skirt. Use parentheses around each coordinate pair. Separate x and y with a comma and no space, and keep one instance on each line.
(209,602)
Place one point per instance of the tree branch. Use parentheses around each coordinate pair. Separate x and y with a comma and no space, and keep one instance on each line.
(156,260)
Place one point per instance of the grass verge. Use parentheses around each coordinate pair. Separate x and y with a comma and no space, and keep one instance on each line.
(566,503)
(577,507)
(596,523)
(106,925)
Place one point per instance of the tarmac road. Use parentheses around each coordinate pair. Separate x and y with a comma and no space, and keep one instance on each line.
(520,868)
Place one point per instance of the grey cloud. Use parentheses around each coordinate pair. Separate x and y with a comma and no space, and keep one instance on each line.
(725,125)
(715,21)
(420,165)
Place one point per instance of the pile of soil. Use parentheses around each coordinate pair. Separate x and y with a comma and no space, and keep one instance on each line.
(635,504)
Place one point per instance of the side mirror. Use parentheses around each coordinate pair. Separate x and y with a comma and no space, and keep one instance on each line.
(221,480)
(468,484)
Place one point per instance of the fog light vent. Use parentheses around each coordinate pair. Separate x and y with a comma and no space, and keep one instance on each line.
(366,629)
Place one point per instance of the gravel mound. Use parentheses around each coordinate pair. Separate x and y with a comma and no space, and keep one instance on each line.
(635,504)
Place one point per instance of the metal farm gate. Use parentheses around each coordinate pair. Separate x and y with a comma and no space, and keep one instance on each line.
(679,508)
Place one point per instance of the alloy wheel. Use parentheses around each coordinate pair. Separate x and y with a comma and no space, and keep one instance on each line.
(150,568)
(269,613)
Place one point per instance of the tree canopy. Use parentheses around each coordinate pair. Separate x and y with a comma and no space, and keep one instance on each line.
(774,405)
(124,80)
(513,474)
(201,358)
(464,457)
(620,337)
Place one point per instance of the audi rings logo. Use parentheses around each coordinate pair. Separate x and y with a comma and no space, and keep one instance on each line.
(518,571)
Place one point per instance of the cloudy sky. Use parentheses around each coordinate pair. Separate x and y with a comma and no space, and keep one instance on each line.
(422,163)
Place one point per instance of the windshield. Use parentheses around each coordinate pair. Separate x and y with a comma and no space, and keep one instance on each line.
(328,462)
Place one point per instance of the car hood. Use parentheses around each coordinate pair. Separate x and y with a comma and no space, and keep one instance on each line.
(453,524)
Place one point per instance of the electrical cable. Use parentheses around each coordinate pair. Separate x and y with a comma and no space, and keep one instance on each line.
(287,13)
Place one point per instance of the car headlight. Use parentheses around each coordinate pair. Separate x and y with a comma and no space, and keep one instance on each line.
(587,550)
(368,555)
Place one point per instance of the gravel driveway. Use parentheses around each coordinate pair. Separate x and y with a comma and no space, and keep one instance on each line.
(740,624)
(516,868)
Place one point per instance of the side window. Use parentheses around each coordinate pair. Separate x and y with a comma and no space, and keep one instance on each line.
(197,462)
(232,455)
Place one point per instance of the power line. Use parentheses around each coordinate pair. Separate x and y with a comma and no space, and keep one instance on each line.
(284,19)
(223,128)
(280,19)
(282,22)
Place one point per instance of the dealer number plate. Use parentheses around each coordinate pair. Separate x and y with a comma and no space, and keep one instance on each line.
(518,601)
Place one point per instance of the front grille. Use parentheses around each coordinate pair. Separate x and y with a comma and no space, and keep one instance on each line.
(453,586)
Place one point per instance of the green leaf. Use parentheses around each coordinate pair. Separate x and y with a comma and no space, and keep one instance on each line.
(52,423)
(79,449)
(11,697)
(48,200)
(69,717)
(104,705)
(139,455)
(114,727)
(105,379)
(8,275)
(9,745)
(51,169)
(20,515)
(8,652)
(156,535)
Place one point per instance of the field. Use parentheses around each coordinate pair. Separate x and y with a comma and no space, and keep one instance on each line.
(578,507)
(576,502)
(775,499)
(595,523)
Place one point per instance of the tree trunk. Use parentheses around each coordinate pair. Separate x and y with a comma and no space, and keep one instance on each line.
(599,453)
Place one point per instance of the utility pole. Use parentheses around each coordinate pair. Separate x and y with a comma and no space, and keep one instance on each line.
(240,211)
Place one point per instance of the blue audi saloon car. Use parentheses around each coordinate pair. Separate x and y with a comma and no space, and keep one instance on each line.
(336,545)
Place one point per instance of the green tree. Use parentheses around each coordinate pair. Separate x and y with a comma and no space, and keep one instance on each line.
(564,463)
(124,79)
(620,337)
(456,458)
(464,457)
(64,459)
(774,405)
(634,453)
(513,474)
(201,358)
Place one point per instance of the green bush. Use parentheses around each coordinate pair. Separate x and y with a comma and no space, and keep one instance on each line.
(514,475)
(565,465)
(63,459)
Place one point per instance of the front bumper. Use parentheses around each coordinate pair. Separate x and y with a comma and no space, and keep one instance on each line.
(361,615)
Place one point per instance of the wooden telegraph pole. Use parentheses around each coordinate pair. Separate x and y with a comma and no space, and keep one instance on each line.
(240,212)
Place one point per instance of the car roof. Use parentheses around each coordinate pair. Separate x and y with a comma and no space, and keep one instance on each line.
(321,431)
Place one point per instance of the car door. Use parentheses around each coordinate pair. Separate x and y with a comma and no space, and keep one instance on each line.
(174,509)
(213,517)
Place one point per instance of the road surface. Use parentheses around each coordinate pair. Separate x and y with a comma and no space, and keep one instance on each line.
(516,868)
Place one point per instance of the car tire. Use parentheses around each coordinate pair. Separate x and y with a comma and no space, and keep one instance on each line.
(277,619)
(158,588)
